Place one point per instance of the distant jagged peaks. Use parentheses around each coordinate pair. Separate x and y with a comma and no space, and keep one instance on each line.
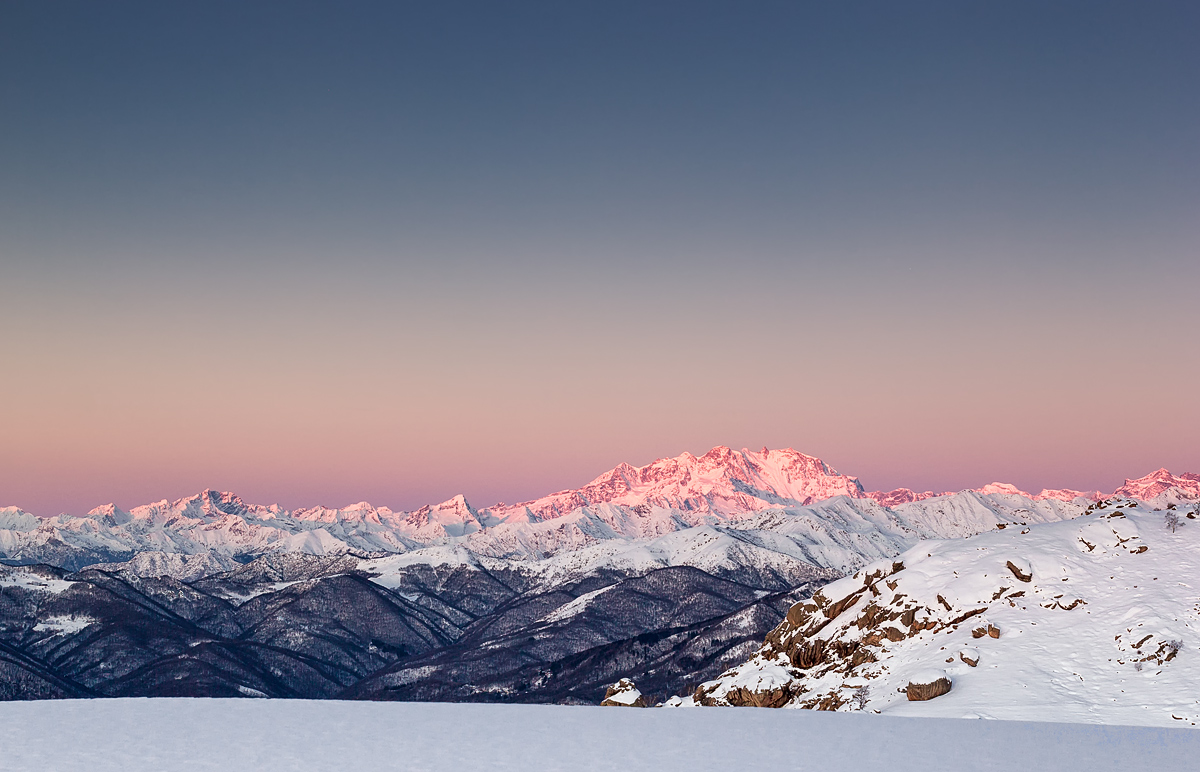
(208,505)
(906,496)
(736,482)
(726,483)
(776,491)
(901,496)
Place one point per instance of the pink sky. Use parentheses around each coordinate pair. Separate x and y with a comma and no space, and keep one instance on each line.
(506,393)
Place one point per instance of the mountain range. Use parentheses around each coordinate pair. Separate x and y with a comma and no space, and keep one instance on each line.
(723,488)
(669,573)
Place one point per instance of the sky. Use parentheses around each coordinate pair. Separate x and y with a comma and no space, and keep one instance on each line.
(398,251)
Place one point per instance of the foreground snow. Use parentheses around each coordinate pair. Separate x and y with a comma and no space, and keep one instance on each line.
(265,735)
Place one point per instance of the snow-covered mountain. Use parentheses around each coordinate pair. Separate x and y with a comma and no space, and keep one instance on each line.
(725,482)
(1160,483)
(782,501)
(1095,619)
(669,573)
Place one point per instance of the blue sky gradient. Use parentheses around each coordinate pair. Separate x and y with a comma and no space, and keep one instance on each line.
(397,251)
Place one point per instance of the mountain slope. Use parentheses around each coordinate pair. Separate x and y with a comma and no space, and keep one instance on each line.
(1091,619)
(455,626)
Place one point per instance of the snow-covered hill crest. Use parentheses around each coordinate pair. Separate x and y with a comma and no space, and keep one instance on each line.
(1094,619)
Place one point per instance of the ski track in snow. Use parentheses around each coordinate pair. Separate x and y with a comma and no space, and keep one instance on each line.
(143,735)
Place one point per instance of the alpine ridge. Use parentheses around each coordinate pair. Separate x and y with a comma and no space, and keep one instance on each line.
(734,490)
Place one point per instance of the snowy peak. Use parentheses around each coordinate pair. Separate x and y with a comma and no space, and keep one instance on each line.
(454,517)
(722,481)
(1158,482)
(110,514)
(211,504)
(1007,489)
(14,518)
(208,506)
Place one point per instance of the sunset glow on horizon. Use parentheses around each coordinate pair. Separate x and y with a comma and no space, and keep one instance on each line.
(409,252)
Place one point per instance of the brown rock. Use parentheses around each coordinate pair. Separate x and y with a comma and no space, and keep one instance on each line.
(965,658)
(922,692)
(772,698)
(843,604)
(808,654)
(868,617)
(843,649)
(861,656)
(966,616)
(993,631)
(1021,576)
(799,614)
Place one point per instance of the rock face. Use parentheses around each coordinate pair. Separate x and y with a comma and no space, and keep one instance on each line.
(623,694)
(769,698)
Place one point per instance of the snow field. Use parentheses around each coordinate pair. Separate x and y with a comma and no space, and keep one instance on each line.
(140,735)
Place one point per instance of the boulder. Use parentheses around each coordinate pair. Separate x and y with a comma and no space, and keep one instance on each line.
(927,685)
(623,694)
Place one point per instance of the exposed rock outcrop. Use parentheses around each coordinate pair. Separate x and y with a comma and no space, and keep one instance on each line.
(946,604)
(623,694)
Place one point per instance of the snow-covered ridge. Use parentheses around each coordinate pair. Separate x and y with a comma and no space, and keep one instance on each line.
(780,501)
(1094,619)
